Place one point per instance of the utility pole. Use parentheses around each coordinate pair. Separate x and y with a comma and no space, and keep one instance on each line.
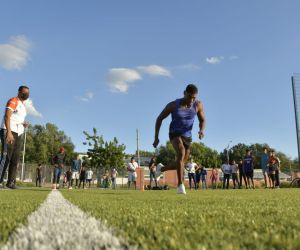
(137,147)
(23,159)
(227,150)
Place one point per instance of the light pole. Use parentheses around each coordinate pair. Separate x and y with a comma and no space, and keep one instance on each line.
(23,158)
(227,150)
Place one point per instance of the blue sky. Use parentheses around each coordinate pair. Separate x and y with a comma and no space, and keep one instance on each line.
(114,65)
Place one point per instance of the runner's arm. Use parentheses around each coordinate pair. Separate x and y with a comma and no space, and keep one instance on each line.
(165,113)
(201,118)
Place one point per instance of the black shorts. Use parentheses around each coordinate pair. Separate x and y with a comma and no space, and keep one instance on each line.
(186,140)
(249,174)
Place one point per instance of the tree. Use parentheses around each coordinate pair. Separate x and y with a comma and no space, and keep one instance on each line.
(104,154)
(199,152)
(166,154)
(144,153)
(44,141)
(204,155)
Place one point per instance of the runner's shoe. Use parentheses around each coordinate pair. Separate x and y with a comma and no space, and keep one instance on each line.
(181,189)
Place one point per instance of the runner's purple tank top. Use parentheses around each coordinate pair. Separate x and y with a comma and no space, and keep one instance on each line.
(183,119)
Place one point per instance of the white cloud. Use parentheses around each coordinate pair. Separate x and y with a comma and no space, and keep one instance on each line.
(233,57)
(86,97)
(214,59)
(120,79)
(31,110)
(189,67)
(15,53)
(154,70)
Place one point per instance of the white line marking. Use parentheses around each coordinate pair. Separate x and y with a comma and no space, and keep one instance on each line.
(58,224)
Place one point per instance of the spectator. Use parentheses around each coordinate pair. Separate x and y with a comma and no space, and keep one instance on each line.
(226,169)
(82,176)
(38,175)
(214,177)
(248,169)
(131,167)
(152,170)
(241,173)
(58,161)
(114,174)
(235,168)
(67,178)
(203,176)
(11,134)
(89,176)
(198,175)
(191,168)
(75,168)
(277,172)
(264,159)
(272,164)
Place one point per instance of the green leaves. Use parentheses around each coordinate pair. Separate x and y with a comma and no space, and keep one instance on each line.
(44,141)
(105,154)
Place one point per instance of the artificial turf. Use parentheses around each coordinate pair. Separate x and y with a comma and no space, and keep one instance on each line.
(209,219)
(15,206)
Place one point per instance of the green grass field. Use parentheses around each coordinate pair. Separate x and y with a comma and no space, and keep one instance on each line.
(212,219)
(15,206)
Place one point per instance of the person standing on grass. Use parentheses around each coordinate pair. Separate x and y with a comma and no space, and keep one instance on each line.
(272,164)
(89,177)
(241,173)
(114,174)
(198,175)
(152,171)
(235,180)
(248,169)
(214,177)
(11,135)
(82,176)
(131,167)
(183,111)
(75,168)
(58,161)
(68,178)
(191,169)
(203,176)
(264,159)
(277,172)
(227,170)
(38,176)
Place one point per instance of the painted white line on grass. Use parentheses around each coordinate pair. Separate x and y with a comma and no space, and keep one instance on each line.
(58,224)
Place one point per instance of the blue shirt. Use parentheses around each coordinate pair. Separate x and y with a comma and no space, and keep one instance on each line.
(264,158)
(183,119)
(76,164)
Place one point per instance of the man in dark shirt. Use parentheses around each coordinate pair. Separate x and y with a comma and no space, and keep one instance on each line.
(39,175)
(241,174)
(58,162)
(248,169)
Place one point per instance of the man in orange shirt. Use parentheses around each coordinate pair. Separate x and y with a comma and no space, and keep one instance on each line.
(11,135)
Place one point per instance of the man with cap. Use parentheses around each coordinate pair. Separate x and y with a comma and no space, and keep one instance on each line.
(11,134)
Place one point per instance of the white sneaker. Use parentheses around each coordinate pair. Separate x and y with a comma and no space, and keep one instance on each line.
(181,189)
(158,171)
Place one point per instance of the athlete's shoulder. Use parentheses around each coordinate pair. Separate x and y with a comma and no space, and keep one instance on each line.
(171,105)
(12,103)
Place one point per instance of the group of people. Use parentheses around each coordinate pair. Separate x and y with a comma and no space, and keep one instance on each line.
(79,172)
(244,170)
